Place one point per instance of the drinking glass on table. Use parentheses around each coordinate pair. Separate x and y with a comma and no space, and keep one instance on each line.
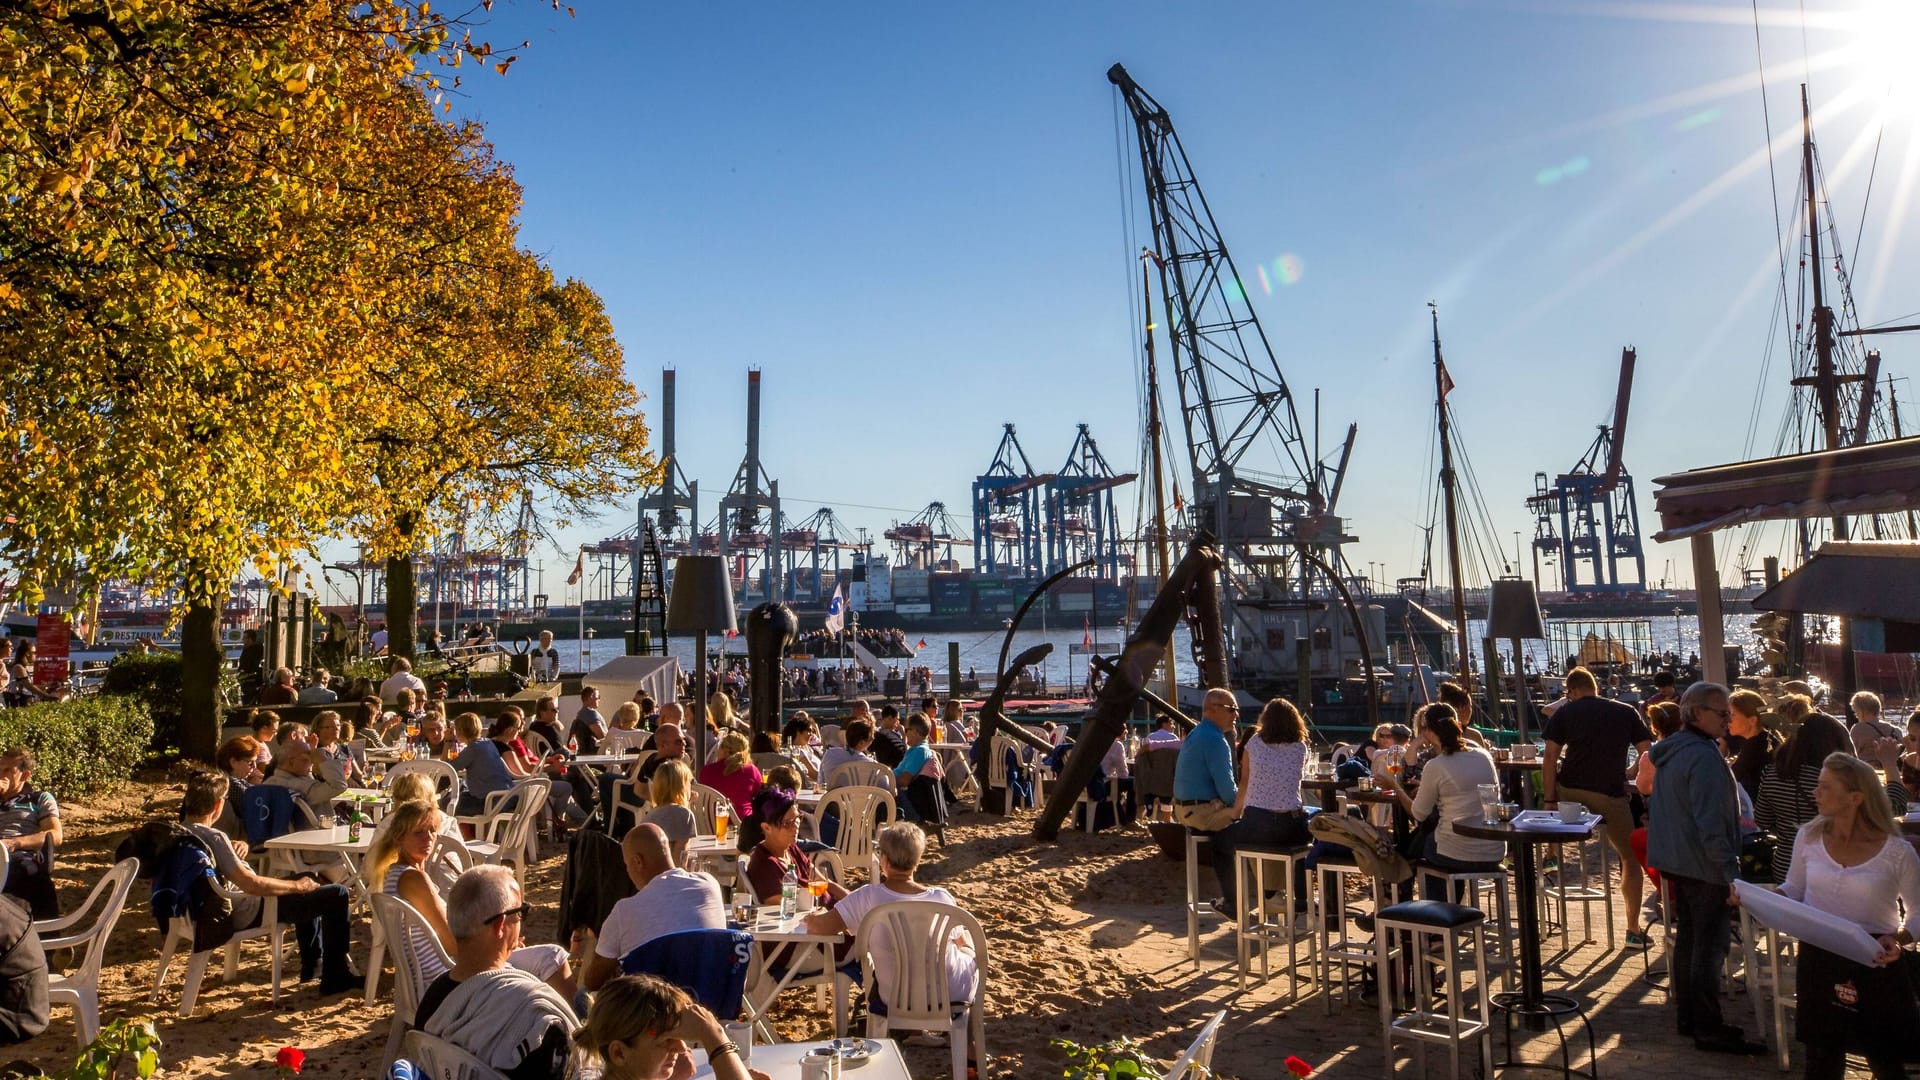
(721,819)
(818,887)
(1489,803)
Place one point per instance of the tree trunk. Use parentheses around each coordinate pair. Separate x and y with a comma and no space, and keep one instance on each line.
(200,662)
(402,606)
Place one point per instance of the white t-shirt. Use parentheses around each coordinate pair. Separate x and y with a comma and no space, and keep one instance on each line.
(963,975)
(1115,762)
(1452,782)
(400,680)
(673,901)
(1863,895)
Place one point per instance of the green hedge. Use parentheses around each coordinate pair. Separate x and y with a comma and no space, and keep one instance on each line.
(154,678)
(82,745)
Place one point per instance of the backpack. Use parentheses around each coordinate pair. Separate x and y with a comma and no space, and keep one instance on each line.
(24,1005)
(1372,848)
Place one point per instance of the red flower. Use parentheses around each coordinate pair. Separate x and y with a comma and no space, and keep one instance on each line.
(1298,1067)
(290,1058)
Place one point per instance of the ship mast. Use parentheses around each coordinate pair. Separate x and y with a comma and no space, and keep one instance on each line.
(1440,388)
(1163,562)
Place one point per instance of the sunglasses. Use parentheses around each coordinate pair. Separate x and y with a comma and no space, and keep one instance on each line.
(512,913)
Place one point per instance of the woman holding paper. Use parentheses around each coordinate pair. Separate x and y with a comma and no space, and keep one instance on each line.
(1852,863)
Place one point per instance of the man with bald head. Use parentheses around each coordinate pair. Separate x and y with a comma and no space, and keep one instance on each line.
(1203,786)
(669,900)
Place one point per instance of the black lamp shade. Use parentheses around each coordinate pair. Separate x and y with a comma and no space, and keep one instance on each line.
(1515,611)
(702,597)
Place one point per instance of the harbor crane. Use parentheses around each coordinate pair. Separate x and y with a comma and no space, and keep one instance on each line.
(925,541)
(1006,512)
(1275,523)
(1587,517)
(1081,523)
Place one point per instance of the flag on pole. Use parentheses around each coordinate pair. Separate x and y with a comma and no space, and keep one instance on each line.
(1086,632)
(1446,381)
(836,612)
(731,634)
(579,568)
(922,645)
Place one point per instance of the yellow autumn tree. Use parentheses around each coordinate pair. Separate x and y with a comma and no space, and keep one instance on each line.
(182,280)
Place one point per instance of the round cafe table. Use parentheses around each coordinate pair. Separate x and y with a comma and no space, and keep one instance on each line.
(1519,776)
(1535,1008)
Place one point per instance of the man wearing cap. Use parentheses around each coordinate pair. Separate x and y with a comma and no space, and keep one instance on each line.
(669,901)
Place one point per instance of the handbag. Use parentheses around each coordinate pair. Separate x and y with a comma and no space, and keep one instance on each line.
(1756,857)
(1414,847)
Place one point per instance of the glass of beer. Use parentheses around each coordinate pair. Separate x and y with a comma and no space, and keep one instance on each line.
(721,819)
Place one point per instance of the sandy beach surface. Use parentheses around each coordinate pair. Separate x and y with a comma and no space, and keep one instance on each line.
(1086,942)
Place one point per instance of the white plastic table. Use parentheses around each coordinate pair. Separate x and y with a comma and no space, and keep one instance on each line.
(331,840)
(782,1062)
(811,951)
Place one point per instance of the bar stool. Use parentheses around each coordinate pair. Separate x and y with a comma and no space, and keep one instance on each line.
(1258,927)
(1454,926)
(1332,943)
(1194,837)
(1585,893)
(1475,882)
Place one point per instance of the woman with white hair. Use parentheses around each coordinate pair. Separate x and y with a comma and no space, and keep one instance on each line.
(1852,862)
(900,847)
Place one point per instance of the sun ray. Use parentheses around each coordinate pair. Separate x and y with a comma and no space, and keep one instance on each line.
(1883,252)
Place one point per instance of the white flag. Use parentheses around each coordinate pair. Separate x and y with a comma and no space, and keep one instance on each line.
(836,612)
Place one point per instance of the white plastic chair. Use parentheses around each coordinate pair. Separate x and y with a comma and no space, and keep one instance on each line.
(81,986)
(705,801)
(434,767)
(180,933)
(508,837)
(439,1059)
(915,990)
(495,812)
(398,922)
(1198,1053)
(863,812)
(861,774)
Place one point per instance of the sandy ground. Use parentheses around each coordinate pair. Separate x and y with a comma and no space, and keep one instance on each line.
(1086,941)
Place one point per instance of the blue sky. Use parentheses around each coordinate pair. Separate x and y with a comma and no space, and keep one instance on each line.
(910,218)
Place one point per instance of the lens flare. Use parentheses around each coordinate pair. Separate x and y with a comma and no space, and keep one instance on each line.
(1553,174)
(1699,119)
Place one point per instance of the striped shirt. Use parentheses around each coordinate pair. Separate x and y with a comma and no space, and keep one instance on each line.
(1784,806)
(425,956)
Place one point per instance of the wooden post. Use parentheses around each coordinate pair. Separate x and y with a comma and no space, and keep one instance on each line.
(1492,672)
(1706,584)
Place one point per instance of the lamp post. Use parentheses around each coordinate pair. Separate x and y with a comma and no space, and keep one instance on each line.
(701,604)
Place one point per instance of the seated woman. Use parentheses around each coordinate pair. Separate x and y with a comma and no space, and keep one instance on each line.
(1853,863)
(802,740)
(734,774)
(857,739)
(778,857)
(332,758)
(238,758)
(398,860)
(481,764)
(642,1028)
(918,775)
(1786,784)
(623,734)
(1451,783)
(900,847)
(671,792)
(1269,812)
(265,724)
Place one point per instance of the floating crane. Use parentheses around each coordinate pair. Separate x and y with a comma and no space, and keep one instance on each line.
(1275,522)
(1006,512)
(1588,517)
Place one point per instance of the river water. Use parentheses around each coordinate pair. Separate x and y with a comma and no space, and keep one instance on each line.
(1066,668)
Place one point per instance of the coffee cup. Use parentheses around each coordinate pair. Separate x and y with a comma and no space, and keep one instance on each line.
(1572,813)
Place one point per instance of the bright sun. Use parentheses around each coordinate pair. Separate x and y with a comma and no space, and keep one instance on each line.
(1886,37)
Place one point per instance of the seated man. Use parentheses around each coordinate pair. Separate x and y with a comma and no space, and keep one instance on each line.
(510,1019)
(670,900)
(294,772)
(30,831)
(668,745)
(317,912)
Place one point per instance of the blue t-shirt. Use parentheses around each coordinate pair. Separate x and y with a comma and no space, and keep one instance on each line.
(486,773)
(914,763)
(1205,768)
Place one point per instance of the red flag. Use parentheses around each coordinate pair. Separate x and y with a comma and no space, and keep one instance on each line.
(1446,381)
(579,568)
(1086,632)
(731,634)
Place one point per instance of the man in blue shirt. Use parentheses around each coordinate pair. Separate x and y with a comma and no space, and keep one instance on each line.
(1203,787)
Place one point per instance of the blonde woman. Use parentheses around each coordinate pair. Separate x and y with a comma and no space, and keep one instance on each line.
(1851,862)
(734,774)
(398,860)
(671,793)
(625,734)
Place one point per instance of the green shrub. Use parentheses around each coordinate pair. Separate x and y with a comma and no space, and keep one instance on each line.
(82,745)
(154,678)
